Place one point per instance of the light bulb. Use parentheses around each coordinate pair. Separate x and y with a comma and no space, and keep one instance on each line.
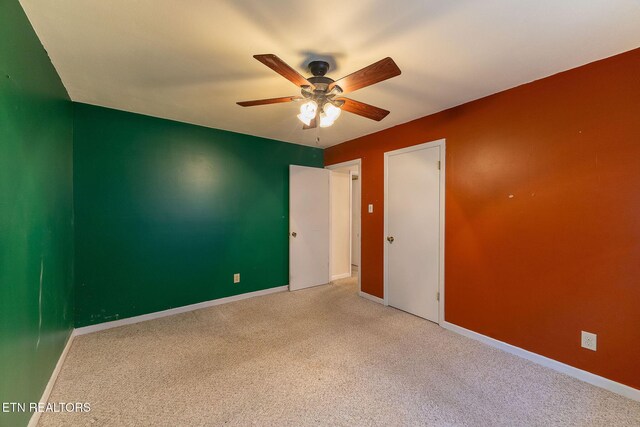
(331,111)
(309,109)
(325,120)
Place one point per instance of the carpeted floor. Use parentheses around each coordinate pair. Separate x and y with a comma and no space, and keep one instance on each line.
(321,356)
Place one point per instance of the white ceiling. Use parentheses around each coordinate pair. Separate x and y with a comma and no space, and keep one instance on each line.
(191,60)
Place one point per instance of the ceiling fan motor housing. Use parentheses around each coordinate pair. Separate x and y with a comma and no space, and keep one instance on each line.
(318,68)
(321,93)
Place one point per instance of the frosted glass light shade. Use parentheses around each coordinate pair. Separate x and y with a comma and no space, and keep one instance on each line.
(331,111)
(309,109)
(325,120)
(305,119)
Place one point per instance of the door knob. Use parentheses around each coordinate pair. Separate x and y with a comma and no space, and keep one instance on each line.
(390,239)
(294,234)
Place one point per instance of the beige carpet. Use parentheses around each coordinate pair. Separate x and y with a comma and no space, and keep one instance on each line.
(321,356)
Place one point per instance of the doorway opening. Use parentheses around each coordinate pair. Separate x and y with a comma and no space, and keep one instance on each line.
(345,221)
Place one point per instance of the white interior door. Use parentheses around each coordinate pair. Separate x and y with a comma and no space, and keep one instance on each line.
(413,230)
(308,227)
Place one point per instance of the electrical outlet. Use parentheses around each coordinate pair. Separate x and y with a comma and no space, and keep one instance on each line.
(589,340)
(236,278)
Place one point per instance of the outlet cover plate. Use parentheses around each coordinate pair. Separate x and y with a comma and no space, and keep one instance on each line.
(236,278)
(589,340)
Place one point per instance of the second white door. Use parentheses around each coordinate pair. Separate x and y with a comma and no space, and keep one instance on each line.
(413,230)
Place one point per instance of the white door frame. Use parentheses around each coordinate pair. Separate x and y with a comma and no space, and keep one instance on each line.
(438,143)
(355,162)
(351,175)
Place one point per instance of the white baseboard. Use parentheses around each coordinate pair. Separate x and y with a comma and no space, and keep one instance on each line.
(371,297)
(177,310)
(340,276)
(585,376)
(35,417)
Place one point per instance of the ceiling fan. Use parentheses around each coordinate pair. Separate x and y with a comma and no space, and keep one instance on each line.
(322,95)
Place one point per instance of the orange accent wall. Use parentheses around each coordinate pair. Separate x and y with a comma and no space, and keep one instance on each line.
(563,254)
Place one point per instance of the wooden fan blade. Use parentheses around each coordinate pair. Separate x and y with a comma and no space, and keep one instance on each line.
(362,109)
(268,101)
(312,125)
(281,67)
(374,73)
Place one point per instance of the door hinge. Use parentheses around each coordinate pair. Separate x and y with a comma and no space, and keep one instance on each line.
(439,165)
(438,296)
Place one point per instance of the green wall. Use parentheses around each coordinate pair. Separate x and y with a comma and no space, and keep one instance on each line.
(36,223)
(167,212)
